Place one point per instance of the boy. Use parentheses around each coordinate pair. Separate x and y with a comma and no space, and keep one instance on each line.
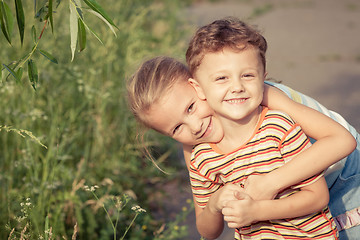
(227,60)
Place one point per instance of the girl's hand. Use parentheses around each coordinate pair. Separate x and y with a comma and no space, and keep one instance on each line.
(260,187)
(219,199)
(240,212)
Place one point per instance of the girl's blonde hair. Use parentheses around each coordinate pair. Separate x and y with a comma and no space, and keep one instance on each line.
(151,81)
(148,85)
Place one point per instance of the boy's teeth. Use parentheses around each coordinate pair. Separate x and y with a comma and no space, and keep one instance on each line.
(236,100)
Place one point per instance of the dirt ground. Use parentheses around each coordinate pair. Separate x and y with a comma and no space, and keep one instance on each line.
(314,47)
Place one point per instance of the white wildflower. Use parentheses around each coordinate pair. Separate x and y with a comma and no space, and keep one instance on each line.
(138,209)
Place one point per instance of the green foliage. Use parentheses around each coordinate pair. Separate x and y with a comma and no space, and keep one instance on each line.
(79,113)
(44,13)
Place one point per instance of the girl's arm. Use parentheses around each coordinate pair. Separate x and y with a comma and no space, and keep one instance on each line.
(333,143)
(311,199)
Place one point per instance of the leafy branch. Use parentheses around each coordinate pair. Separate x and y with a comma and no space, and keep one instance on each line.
(44,13)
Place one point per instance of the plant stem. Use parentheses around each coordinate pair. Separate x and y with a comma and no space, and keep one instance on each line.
(108,215)
(127,229)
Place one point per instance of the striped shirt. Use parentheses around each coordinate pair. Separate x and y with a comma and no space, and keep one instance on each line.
(277,140)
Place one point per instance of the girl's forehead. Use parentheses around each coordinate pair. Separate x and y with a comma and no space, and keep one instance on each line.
(169,110)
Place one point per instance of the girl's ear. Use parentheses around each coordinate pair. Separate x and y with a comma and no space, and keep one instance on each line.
(197,88)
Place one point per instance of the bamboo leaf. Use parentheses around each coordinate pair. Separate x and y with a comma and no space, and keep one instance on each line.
(33,34)
(7,21)
(20,17)
(97,8)
(73,28)
(104,20)
(50,13)
(11,71)
(0,73)
(33,73)
(48,56)
(81,35)
(19,73)
(94,33)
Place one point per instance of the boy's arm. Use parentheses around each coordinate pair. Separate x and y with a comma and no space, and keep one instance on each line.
(312,198)
(333,143)
(209,220)
(209,223)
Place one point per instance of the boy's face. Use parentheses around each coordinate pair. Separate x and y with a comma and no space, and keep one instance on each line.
(181,115)
(231,81)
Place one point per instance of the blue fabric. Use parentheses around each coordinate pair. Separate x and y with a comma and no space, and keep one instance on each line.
(344,178)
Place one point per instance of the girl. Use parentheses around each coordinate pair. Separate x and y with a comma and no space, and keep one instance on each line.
(161,98)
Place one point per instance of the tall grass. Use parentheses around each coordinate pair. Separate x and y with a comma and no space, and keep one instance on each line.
(79,112)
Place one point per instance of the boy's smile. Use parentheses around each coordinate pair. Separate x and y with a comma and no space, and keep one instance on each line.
(232,82)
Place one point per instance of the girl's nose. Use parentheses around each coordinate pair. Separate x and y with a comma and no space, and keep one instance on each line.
(196,126)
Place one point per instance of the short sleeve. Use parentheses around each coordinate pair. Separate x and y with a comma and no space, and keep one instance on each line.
(202,187)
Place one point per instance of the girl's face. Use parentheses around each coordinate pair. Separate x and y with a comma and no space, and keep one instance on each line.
(181,115)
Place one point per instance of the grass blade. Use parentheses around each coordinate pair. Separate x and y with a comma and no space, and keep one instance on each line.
(47,227)
(20,17)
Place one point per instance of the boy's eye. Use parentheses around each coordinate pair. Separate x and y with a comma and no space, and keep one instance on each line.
(248,75)
(220,78)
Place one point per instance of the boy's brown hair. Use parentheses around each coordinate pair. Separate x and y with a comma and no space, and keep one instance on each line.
(229,32)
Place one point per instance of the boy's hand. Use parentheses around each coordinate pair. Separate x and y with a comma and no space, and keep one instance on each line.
(219,199)
(260,187)
(240,212)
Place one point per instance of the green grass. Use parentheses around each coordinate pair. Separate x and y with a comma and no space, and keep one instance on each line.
(79,113)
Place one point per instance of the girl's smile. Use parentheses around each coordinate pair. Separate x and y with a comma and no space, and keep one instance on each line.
(181,115)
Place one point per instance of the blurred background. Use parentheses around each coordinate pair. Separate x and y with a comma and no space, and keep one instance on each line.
(79,112)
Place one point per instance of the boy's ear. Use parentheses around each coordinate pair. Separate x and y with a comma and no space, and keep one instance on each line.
(197,88)
(265,75)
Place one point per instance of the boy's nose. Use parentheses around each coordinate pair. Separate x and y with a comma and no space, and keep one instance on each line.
(237,86)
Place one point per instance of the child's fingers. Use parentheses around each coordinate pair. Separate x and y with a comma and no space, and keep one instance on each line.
(234,222)
(241,195)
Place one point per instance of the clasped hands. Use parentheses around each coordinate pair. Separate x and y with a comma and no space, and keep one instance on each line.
(239,205)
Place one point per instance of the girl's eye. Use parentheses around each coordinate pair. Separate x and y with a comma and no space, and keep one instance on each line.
(190,108)
(176,129)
